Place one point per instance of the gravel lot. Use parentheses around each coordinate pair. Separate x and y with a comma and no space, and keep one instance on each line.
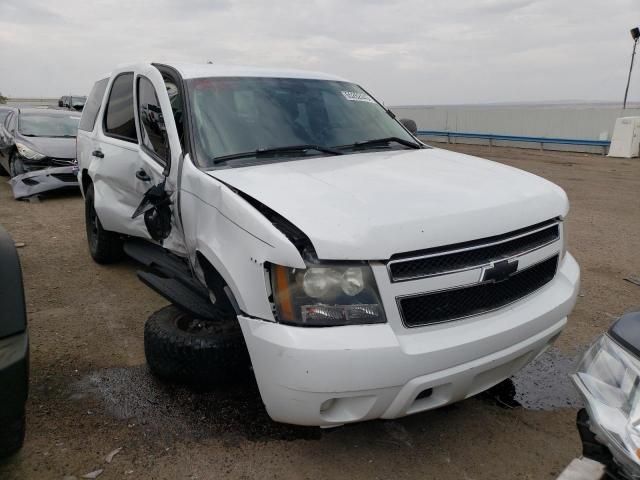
(91,393)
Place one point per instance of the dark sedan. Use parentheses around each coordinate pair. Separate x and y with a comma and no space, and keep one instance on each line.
(14,349)
(38,150)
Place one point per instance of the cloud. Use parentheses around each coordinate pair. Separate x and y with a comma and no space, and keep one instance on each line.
(404,51)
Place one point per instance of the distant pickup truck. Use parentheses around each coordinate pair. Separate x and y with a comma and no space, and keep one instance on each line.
(369,275)
(72,102)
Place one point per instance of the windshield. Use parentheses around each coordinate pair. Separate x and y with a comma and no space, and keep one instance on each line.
(236,115)
(43,125)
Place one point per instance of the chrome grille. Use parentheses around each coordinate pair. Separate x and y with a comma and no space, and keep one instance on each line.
(465,301)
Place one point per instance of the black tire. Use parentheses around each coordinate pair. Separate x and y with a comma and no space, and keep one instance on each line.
(104,246)
(201,354)
(16,167)
(11,435)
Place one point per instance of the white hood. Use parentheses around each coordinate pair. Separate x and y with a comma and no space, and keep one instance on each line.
(369,206)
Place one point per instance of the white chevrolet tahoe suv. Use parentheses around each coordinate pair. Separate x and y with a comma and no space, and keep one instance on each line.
(371,276)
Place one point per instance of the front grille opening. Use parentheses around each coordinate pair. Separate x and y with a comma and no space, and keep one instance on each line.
(441,260)
(448,305)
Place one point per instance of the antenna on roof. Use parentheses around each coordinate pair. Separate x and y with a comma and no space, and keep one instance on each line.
(635,34)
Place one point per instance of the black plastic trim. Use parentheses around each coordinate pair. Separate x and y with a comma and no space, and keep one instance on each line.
(12,304)
(626,332)
(14,376)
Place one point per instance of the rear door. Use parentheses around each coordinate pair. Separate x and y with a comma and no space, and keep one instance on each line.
(86,143)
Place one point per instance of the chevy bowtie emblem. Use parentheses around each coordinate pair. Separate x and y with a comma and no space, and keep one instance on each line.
(500,271)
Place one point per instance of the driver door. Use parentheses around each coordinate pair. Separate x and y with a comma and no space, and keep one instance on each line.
(160,152)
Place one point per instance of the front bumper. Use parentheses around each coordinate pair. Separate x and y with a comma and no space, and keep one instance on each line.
(331,376)
(43,180)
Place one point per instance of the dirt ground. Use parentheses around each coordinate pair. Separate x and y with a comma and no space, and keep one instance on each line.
(91,393)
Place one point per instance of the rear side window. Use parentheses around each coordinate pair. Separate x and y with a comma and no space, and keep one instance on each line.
(152,128)
(119,121)
(92,107)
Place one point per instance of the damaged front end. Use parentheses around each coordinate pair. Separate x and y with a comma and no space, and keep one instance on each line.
(608,379)
(44,176)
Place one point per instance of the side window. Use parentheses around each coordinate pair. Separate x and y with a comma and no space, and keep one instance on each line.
(118,117)
(92,107)
(153,132)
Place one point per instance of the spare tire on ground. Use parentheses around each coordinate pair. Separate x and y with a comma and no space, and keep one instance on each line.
(182,349)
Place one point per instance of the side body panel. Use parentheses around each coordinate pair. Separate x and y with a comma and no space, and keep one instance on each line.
(234,237)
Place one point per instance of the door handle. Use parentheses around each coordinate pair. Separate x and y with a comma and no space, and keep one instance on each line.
(142,175)
(97,153)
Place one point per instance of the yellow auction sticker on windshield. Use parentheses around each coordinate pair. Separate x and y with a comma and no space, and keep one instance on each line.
(357,97)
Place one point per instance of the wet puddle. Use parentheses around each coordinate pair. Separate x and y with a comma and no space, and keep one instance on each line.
(544,384)
(134,395)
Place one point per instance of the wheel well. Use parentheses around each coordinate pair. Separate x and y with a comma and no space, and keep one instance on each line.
(216,284)
(86,180)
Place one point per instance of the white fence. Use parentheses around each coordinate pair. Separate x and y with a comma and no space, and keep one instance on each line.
(579,122)
(32,102)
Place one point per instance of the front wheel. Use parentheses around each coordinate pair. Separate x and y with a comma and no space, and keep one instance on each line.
(203,354)
(104,246)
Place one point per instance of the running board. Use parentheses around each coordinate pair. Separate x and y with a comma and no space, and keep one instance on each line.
(181,295)
(170,276)
(157,258)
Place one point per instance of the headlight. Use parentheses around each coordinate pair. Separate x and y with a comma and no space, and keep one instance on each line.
(27,153)
(326,295)
(609,377)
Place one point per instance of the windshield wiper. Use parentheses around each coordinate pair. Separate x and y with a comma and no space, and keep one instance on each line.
(384,141)
(270,151)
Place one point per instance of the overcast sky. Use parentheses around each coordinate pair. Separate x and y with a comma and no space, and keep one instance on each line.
(403,51)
